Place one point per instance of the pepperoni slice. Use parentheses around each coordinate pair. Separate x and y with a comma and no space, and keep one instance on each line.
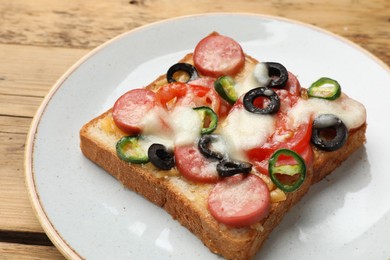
(194,166)
(218,55)
(131,107)
(240,201)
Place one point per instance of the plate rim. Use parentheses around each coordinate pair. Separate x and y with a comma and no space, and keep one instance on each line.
(38,208)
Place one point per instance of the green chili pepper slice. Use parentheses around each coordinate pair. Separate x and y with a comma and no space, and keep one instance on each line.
(225,88)
(129,149)
(209,119)
(288,177)
(325,88)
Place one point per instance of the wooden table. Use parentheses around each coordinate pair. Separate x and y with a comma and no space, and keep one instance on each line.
(40,39)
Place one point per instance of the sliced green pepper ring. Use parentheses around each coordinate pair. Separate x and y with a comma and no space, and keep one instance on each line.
(225,88)
(129,149)
(325,88)
(209,119)
(287,177)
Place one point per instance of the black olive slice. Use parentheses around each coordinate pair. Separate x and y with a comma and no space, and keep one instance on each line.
(250,96)
(278,74)
(226,168)
(185,67)
(327,123)
(204,144)
(160,157)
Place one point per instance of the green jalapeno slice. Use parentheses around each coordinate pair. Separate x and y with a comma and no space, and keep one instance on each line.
(209,119)
(287,177)
(129,149)
(325,88)
(225,88)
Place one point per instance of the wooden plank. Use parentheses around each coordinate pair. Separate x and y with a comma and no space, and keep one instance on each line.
(16,212)
(21,106)
(15,251)
(83,24)
(14,125)
(30,71)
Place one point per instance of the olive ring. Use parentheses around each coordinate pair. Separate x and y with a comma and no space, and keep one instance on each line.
(250,96)
(186,67)
(278,74)
(160,157)
(203,145)
(226,168)
(328,122)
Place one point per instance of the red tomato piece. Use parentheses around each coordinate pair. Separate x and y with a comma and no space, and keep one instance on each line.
(130,108)
(217,55)
(194,166)
(293,86)
(209,82)
(294,139)
(184,94)
(240,200)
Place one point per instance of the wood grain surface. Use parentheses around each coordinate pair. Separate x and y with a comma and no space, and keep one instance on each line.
(41,39)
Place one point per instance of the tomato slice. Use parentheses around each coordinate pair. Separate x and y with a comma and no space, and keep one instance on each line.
(194,166)
(129,110)
(240,200)
(182,94)
(295,139)
(293,86)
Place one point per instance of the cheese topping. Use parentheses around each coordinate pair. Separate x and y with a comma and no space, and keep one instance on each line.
(258,77)
(152,122)
(351,112)
(186,125)
(243,130)
(181,126)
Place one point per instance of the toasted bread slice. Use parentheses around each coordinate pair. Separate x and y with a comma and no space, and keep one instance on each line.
(186,201)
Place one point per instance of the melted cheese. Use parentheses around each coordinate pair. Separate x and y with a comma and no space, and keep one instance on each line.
(257,77)
(148,140)
(243,130)
(181,126)
(186,125)
(351,112)
(152,122)
(155,130)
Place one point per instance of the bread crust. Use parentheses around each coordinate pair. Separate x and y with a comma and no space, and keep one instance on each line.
(231,243)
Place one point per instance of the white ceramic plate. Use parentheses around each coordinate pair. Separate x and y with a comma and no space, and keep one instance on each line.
(88,214)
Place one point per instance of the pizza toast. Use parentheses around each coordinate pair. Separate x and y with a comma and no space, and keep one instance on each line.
(194,200)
